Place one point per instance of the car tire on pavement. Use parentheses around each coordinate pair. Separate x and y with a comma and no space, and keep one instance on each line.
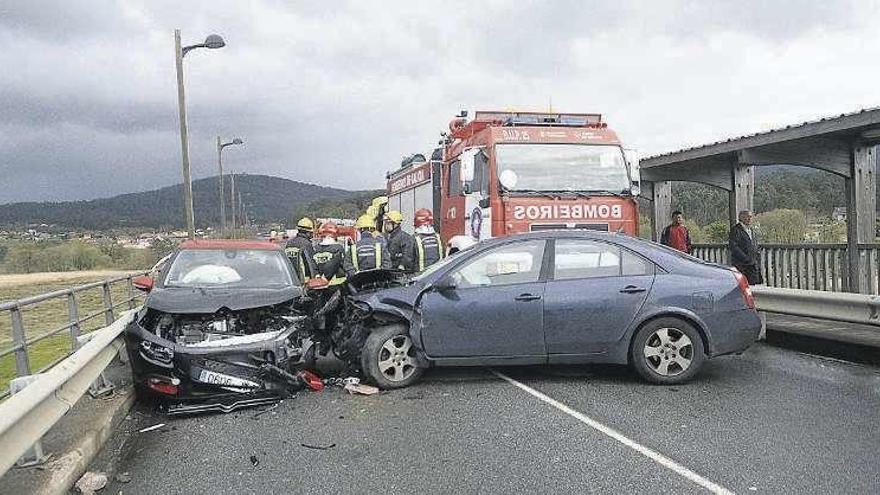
(667,351)
(389,359)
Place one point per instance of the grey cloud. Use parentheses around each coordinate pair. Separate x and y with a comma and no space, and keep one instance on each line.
(64,20)
(336,93)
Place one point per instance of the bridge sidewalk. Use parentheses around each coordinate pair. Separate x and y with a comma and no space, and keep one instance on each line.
(75,440)
(850,341)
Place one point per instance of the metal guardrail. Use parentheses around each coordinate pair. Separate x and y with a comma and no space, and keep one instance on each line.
(75,321)
(837,306)
(807,266)
(27,415)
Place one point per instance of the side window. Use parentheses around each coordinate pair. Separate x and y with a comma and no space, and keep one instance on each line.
(515,263)
(635,265)
(453,184)
(481,175)
(578,258)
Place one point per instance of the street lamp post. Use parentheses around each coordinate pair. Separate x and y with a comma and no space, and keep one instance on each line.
(212,41)
(232,197)
(220,146)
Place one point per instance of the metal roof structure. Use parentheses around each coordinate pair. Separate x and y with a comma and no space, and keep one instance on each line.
(825,143)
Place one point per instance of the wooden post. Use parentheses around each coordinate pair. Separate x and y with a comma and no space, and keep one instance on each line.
(860,210)
(742,194)
(661,208)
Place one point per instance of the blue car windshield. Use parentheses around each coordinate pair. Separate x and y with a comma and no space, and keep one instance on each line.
(225,268)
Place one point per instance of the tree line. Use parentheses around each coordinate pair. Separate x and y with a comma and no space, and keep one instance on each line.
(76,255)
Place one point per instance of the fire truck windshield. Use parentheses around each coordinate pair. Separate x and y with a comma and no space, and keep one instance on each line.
(561,167)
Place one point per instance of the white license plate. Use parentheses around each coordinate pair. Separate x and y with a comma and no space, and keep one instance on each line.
(222,380)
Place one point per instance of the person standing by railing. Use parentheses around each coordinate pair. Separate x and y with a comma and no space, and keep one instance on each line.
(744,249)
(676,235)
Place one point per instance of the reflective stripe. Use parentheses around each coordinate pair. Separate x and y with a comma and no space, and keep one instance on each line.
(354,257)
(421,249)
(378,248)
(302,267)
(440,247)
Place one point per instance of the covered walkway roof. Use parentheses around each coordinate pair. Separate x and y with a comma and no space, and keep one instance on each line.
(823,144)
(843,145)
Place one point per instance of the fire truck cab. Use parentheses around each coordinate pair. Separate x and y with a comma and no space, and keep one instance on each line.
(509,172)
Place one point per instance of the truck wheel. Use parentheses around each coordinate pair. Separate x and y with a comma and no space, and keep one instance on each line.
(667,351)
(388,358)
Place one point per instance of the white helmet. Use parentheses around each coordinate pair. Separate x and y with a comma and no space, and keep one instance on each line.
(460,243)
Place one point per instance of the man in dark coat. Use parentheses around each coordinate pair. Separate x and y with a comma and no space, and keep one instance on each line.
(400,244)
(744,249)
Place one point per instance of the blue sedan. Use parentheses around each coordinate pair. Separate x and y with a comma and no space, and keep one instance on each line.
(560,297)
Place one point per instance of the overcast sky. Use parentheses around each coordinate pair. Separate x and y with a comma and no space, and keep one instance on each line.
(334,93)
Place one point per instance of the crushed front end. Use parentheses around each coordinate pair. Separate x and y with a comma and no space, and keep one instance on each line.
(218,361)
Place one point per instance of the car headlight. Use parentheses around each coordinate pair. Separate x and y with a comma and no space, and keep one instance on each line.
(157,354)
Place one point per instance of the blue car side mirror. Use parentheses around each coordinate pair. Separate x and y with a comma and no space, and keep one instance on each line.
(444,284)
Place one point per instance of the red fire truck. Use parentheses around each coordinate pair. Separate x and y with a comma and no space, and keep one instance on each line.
(502,173)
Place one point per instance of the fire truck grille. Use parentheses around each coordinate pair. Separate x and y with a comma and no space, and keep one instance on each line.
(573,226)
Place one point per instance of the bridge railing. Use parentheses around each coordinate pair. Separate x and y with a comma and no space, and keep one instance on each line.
(807,266)
(27,337)
(41,400)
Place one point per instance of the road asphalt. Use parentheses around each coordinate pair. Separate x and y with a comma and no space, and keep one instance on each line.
(768,421)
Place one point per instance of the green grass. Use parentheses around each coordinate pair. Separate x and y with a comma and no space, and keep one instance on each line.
(50,315)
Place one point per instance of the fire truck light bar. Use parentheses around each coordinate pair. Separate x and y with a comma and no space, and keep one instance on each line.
(536,118)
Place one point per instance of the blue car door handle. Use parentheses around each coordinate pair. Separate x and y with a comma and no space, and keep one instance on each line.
(632,289)
(527,297)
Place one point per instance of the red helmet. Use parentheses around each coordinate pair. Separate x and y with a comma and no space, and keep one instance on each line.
(423,217)
(328,229)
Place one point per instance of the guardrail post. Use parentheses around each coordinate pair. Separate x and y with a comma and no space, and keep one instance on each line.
(73,318)
(103,386)
(763,334)
(22,366)
(108,304)
(130,293)
(34,456)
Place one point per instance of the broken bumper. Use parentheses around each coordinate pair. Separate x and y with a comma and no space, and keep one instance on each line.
(212,376)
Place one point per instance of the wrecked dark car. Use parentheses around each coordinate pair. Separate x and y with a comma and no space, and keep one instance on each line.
(220,328)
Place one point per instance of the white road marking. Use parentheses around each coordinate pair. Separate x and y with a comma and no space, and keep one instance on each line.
(610,432)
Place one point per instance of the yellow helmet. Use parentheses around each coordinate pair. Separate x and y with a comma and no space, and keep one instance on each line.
(373,211)
(379,201)
(365,222)
(305,223)
(394,216)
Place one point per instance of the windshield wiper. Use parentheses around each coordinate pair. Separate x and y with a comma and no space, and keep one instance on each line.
(532,192)
(603,192)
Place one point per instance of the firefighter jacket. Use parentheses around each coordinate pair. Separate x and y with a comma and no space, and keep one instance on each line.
(301,254)
(400,250)
(328,260)
(367,254)
(427,250)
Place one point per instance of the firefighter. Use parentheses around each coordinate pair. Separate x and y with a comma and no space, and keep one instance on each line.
(400,244)
(369,252)
(329,254)
(427,247)
(301,251)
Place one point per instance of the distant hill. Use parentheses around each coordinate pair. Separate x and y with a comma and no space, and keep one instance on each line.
(267,199)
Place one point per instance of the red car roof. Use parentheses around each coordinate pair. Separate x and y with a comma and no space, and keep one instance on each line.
(228,244)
